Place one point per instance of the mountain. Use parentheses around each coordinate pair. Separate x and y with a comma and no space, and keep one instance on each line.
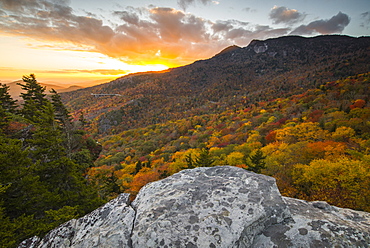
(236,77)
(15,90)
(70,88)
(228,49)
(315,144)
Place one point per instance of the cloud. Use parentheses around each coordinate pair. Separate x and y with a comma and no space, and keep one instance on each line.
(366,20)
(52,21)
(184,4)
(20,5)
(334,25)
(97,71)
(284,15)
(137,34)
(249,10)
(128,17)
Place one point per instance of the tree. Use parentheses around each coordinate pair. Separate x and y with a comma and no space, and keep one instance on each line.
(307,131)
(40,185)
(34,97)
(4,122)
(6,230)
(61,175)
(7,106)
(343,134)
(189,161)
(235,158)
(25,193)
(342,182)
(82,120)
(7,102)
(138,167)
(64,119)
(257,162)
(46,140)
(204,159)
(62,114)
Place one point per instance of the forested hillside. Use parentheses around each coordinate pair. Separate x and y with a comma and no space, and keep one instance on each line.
(44,158)
(293,108)
(316,144)
(236,77)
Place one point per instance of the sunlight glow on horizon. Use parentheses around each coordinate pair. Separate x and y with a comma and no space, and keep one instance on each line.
(75,66)
(80,42)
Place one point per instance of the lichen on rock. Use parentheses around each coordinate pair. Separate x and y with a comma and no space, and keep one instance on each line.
(219,206)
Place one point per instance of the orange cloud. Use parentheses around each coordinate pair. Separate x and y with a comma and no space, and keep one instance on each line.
(142,35)
(96,71)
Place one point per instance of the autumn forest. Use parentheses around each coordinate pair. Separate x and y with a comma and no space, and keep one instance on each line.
(296,109)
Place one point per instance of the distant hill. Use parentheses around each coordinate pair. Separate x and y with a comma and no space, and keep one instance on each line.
(234,78)
(70,88)
(15,89)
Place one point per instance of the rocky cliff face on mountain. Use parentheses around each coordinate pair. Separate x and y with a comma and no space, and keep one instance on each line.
(221,206)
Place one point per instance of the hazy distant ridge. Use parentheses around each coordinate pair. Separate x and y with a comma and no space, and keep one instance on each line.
(15,89)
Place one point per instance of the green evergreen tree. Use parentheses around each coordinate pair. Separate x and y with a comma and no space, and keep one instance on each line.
(7,102)
(46,141)
(60,174)
(257,162)
(7,107)
(25,193)
(62,114)
(34,97)
(204,159)
(189,161)
(64,119)
(6,230)
(42,181)
(4,119)
(138,166)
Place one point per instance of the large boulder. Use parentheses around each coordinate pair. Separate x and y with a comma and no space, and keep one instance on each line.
(107,226)
(221,206)
(207,207)
(317,224)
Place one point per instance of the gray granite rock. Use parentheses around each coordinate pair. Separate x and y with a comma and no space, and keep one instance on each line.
(221,206)
(108,226)
(207,207)
(317,224)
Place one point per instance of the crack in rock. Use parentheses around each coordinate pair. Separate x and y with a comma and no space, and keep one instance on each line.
(221,206)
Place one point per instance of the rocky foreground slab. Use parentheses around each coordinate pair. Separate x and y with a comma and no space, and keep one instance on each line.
(221,206)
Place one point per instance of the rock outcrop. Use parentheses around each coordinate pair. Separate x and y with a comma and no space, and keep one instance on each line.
(221,206)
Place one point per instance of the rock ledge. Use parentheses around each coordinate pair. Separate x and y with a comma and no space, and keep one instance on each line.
(221,206)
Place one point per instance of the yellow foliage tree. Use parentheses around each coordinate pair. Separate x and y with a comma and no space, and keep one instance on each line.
(307,131)
(344,182)
(235,158)
(343,134)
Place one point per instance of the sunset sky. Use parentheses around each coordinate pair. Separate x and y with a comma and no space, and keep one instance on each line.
(79,41)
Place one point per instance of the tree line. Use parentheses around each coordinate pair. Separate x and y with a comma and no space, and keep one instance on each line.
(44,158)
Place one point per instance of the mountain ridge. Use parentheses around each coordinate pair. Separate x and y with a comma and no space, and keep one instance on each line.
(228,49)
(262,70)
(15,89)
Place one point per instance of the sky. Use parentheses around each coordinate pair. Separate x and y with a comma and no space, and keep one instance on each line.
(85,42)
